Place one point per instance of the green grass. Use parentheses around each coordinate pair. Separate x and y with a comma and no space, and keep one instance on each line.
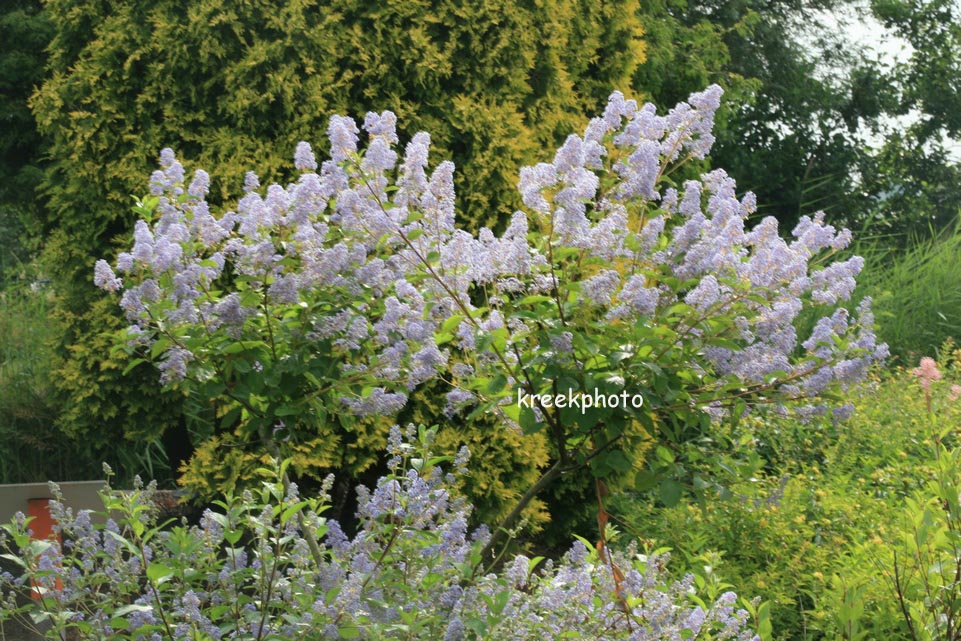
(33,448)
(28,440)
(916,292)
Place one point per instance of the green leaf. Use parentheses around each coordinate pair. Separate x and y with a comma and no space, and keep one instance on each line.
(665,455)
(14,559)
(123,541)
(158,572)
(452,323)
(497,385)
(291,510)
(530,300)
(528,420)
(670,492)
(288,410)
(133,363)
(618,461)
(644,480)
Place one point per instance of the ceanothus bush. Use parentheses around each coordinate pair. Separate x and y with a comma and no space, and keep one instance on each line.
(412,571)
(339,294)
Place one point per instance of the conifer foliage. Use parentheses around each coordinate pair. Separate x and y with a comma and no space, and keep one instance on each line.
(234,85)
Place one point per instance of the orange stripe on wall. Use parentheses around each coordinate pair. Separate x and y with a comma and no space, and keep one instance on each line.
(42,527)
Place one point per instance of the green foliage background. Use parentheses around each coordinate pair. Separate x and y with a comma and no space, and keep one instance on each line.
(813,531)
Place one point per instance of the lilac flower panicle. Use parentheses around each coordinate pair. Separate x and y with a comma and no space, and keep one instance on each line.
(563,343)
(383,125)
(600,289)
(304,157)
(635,298)
(174,366)
(456,399)
(167,158)
(343,137)
(251,182)
(379,156)
(533,180)
(705,295)
(640,172)
(200,185)
(438,201)
(378,402)
(105,278)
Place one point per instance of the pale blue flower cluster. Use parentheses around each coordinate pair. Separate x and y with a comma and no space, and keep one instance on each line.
(367,242)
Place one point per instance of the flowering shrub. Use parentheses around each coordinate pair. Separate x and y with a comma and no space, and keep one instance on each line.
(411,572)
(338,295)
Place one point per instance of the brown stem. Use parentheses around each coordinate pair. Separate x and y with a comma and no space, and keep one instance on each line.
(559,468)
(499,534)
(899,592)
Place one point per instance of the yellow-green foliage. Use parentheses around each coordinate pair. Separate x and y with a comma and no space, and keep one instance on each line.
(782,540)
(812,535)
(233,87)
(503,464)
(225,460)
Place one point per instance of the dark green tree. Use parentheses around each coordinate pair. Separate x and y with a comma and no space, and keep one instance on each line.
(807,110)
(795,140)
(25,32)
(915,179)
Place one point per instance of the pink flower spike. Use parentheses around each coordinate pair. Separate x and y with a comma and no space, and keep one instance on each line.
(927,372)
(954,393)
